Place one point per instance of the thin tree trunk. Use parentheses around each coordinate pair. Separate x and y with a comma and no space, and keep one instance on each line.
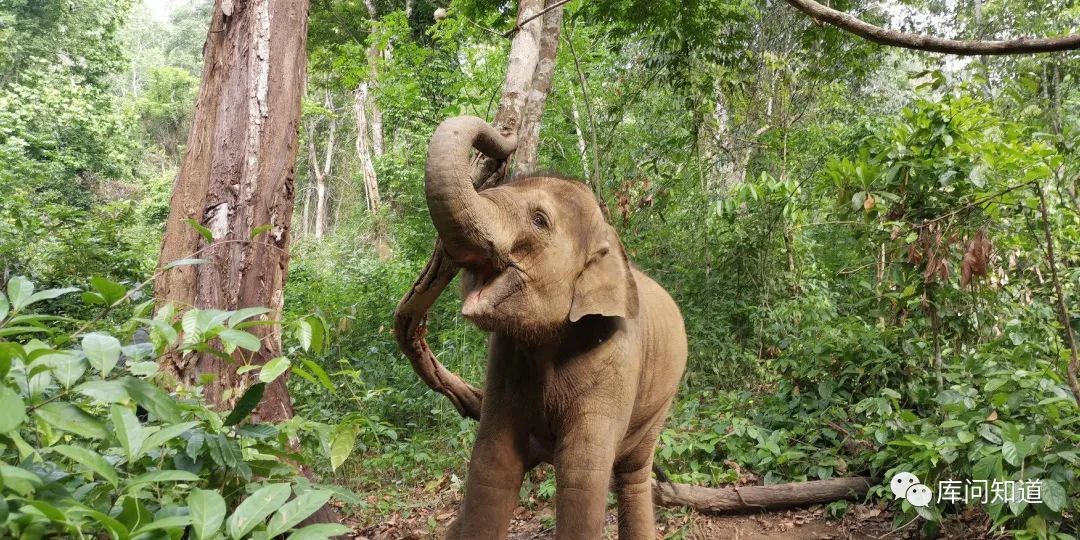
(307,212)
(363,152)
(236,175)
(594,180)
(580,137)
(410,319)
(1062,300)
(529,134)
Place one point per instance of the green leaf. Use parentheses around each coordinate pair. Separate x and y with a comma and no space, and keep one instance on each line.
(273,369)
(244,314)
(256,508)
(342,443)
(318,332)
(206,234)
(14,411)
(320,531)
(207,512)
(143,369)
(103,391)
(259,230)
(321,374)
(5,307)
(246,404)
(296,511)
(67,367)
(89,459)
(128,430)
(184,262)
(155,477)
(19,480)
(102,350)
(111,291)
(19,290)
(303,334)
(240,338)
(165,434)
(170,522)
(1014,452)
(48,294)
(1054,496)
(154,400)
(67,417)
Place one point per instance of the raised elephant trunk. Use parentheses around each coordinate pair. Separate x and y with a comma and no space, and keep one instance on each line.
(464,219)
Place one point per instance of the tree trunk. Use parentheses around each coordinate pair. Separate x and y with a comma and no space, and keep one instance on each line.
(410,319)
(363,151)
(752,498)
(529,133)
(580,137)
(236,175)
(307,212)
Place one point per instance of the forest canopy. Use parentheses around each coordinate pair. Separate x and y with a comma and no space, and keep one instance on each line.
(876,252)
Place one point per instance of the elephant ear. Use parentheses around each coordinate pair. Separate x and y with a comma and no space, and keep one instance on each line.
(605,286)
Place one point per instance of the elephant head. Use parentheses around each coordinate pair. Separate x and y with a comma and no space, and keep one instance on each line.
(536,251)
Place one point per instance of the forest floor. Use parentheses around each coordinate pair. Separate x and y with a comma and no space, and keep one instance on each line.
(427,515)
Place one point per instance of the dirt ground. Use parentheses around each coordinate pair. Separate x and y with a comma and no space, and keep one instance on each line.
(860,523)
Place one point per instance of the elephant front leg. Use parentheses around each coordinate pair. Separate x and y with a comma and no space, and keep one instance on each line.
(492,485)
(583,461)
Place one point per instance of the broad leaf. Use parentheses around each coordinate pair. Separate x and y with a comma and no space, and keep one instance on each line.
(110,291)
(207,512)
(256,508)
(161,476)
(48,294)
(296,511)
(128,430)
(4,306)
(19,290)
(342,443)
(320,531)
(102,350)
(89,459)
(103,391)
(247,403)
(240,338)
(14,411)
(67,417)
(165,434)
(154,400)
(244,314)
(273,369)
(184,262)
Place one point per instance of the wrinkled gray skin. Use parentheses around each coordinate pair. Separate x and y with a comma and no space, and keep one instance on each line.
(586,352)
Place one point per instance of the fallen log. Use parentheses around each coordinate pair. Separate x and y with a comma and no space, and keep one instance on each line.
(752,498)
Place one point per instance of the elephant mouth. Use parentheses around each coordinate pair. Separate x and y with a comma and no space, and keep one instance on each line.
(487,287)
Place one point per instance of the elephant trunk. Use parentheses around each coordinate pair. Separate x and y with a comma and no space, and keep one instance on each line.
(464,219)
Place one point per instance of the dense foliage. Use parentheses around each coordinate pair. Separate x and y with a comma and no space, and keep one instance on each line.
(857,238)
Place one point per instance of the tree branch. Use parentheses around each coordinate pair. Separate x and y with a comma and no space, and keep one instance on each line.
(923,42)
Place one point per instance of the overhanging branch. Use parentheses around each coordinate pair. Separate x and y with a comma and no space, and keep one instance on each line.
(923,42)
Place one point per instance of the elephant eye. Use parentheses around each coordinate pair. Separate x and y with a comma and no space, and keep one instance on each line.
(540,220)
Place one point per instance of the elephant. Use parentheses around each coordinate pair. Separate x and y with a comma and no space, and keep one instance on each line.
(585,351)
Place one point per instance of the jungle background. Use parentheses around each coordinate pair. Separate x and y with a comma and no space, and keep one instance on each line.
(876,251)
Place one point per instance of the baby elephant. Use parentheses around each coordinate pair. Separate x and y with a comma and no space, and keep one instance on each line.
(586,352)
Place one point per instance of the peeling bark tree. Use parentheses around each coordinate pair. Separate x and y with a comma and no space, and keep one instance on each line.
(364,150)
(322,174)
(529,133)
(237,175)
(410,319)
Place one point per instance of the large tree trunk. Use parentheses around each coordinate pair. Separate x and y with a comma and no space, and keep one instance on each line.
(236,175)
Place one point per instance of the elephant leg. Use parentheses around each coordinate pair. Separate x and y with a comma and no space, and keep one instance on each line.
(633,486)
(583,460)
(634,491)
(492,485)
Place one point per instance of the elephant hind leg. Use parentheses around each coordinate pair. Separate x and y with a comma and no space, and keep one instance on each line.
(634,492)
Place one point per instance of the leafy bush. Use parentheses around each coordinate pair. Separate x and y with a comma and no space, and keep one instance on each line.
(92,445)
